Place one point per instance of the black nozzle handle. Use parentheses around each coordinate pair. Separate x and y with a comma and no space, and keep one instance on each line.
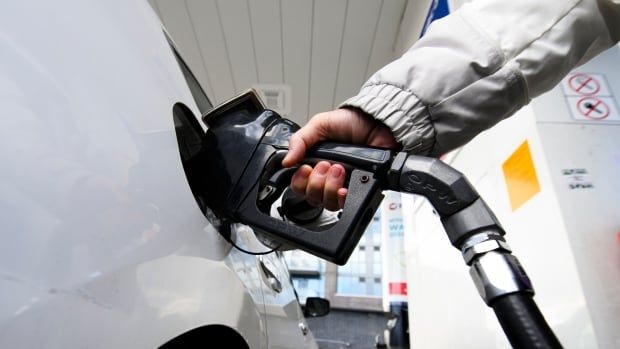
(351,157)
(366,158)
(337,242)
(264,180)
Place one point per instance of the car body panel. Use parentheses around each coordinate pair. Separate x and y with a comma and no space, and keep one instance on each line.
(103,242)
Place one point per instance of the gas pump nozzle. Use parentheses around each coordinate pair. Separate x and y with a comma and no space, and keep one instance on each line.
(245,144)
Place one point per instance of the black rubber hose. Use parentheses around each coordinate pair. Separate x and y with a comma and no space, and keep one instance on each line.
(523,322)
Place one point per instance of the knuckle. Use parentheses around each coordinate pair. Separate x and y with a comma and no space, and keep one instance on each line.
(314,196)
(294,138)
(298,188)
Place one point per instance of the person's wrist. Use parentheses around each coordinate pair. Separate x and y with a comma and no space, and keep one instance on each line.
(377,127)
(358,112)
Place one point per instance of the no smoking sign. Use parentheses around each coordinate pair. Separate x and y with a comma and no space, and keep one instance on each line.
(582,84)
(593,108)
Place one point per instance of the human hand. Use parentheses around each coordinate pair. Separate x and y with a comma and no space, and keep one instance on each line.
(323,184)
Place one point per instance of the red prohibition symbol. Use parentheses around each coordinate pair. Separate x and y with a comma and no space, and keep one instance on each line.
(593,108)
(584,84)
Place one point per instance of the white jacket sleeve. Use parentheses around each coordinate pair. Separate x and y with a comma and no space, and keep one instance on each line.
(481,64)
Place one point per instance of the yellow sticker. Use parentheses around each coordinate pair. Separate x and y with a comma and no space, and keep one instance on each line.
(520,175)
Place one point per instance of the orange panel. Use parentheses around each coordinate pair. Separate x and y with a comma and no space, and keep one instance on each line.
(520,175)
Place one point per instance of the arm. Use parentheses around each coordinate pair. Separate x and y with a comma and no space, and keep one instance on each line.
(481,64)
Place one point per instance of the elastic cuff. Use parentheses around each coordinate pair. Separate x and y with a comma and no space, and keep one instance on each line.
(401,111)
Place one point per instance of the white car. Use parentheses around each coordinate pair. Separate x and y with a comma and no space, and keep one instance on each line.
(103,244)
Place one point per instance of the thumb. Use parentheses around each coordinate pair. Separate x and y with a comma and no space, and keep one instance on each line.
(296,151)
(300,141)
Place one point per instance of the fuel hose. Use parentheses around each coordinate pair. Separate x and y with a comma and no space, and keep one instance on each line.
(523,323)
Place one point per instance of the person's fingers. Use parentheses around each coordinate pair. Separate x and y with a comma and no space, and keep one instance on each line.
(342,196)
(316,183)
(333,182)
(300,180)
(296,151)
(303,139)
